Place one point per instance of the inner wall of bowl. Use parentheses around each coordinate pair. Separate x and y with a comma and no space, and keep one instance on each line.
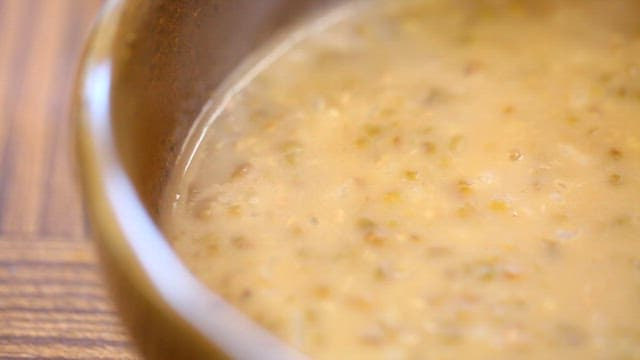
(170,58)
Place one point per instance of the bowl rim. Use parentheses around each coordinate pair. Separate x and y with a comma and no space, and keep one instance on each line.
(124,230)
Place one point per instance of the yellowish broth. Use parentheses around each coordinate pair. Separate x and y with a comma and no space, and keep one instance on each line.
(431,180)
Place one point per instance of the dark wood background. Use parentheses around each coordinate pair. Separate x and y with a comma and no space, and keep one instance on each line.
(52,301)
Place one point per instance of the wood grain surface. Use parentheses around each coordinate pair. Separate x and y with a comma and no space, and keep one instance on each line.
(52,300)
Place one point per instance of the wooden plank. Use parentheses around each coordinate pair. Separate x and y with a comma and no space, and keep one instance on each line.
(53,301)
(56,348)
(31,125)
(14,29)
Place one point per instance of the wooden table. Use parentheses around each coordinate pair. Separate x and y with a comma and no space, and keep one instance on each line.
(52,301)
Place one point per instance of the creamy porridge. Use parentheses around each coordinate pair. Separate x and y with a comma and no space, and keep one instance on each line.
(431,180)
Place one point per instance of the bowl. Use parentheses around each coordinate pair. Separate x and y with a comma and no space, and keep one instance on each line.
(149,68)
